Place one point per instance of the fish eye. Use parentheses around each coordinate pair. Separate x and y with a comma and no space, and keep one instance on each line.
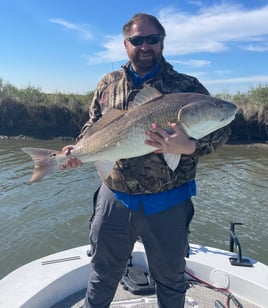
(52,155)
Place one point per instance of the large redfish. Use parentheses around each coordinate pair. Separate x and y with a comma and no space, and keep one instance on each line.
(121,134)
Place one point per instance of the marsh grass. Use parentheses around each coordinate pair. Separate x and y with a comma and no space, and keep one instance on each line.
(31,112)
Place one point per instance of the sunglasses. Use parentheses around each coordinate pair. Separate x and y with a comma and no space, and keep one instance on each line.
(149,39)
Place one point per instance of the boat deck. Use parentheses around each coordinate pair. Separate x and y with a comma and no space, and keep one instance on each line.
(62,277)
(196,297)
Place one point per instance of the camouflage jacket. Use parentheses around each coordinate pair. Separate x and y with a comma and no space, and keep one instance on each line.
(150,173)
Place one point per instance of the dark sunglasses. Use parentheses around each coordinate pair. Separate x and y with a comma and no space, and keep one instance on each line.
(149,39)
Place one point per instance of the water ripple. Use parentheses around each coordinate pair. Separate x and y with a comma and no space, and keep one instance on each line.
(41,218)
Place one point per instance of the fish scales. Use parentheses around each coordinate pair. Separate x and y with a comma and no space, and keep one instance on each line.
(121,134)
(116,140)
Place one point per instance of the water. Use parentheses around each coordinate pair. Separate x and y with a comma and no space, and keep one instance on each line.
(52,215)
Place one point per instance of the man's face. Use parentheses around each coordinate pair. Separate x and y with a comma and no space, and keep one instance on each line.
(144,57)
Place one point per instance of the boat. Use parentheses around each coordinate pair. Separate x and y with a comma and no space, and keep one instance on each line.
(215,278)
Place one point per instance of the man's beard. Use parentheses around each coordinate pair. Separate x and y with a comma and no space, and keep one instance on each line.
(146,64)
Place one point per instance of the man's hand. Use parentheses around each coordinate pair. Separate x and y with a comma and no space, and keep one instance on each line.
(71,162)
(177,142)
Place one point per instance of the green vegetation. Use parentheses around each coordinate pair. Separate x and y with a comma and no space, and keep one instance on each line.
(251,123)
(31,112)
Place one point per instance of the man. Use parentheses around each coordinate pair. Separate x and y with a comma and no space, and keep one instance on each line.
(142,196)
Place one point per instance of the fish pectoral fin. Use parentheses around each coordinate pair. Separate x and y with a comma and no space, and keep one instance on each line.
(104,168)
(172,160)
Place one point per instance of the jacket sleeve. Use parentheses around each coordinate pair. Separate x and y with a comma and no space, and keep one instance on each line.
(95,111)
(211,142)
(107,95)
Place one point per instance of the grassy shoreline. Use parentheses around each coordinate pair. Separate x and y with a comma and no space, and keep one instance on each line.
(32,113)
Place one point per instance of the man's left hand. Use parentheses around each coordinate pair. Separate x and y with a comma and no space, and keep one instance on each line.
(177,142)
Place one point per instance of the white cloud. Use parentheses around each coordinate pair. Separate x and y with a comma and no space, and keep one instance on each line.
(195,2)
(192,63)
(223,72)
(113,51)
(234,84)
(211,29)
(257,47)
(82,30)
(258,79)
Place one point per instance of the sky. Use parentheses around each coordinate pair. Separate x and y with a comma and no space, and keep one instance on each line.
(68,45)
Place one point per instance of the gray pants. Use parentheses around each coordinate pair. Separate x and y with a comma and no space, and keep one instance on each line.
(114,230)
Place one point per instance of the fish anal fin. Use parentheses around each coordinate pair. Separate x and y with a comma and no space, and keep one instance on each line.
(104,168)
(172,160)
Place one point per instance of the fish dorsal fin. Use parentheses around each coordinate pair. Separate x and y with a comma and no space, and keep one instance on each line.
(108,117)
(145,95)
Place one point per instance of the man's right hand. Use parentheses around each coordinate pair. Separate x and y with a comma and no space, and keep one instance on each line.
(71,162)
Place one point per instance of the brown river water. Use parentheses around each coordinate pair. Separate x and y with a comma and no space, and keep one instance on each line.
(52,215)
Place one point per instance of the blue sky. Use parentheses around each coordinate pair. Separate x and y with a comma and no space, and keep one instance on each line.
(68,45)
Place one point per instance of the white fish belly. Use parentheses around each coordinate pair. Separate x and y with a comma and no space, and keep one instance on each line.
(131,145)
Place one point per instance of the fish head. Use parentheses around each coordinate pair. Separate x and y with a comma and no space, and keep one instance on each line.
(206,115)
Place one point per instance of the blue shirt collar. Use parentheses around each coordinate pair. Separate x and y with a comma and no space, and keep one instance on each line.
(140,80)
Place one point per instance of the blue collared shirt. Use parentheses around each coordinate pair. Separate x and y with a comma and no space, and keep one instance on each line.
(137,80)
(154,203)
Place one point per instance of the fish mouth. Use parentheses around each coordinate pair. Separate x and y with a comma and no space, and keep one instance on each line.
(227,118)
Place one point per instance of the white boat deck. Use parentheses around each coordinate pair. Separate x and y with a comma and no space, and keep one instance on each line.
(196,297)
(62,278)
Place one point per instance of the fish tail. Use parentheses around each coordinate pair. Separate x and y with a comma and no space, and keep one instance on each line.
(45,161)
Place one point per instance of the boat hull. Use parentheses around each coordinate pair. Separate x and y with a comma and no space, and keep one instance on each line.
(46,281)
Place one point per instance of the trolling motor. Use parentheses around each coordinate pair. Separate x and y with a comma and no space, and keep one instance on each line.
(239,261)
